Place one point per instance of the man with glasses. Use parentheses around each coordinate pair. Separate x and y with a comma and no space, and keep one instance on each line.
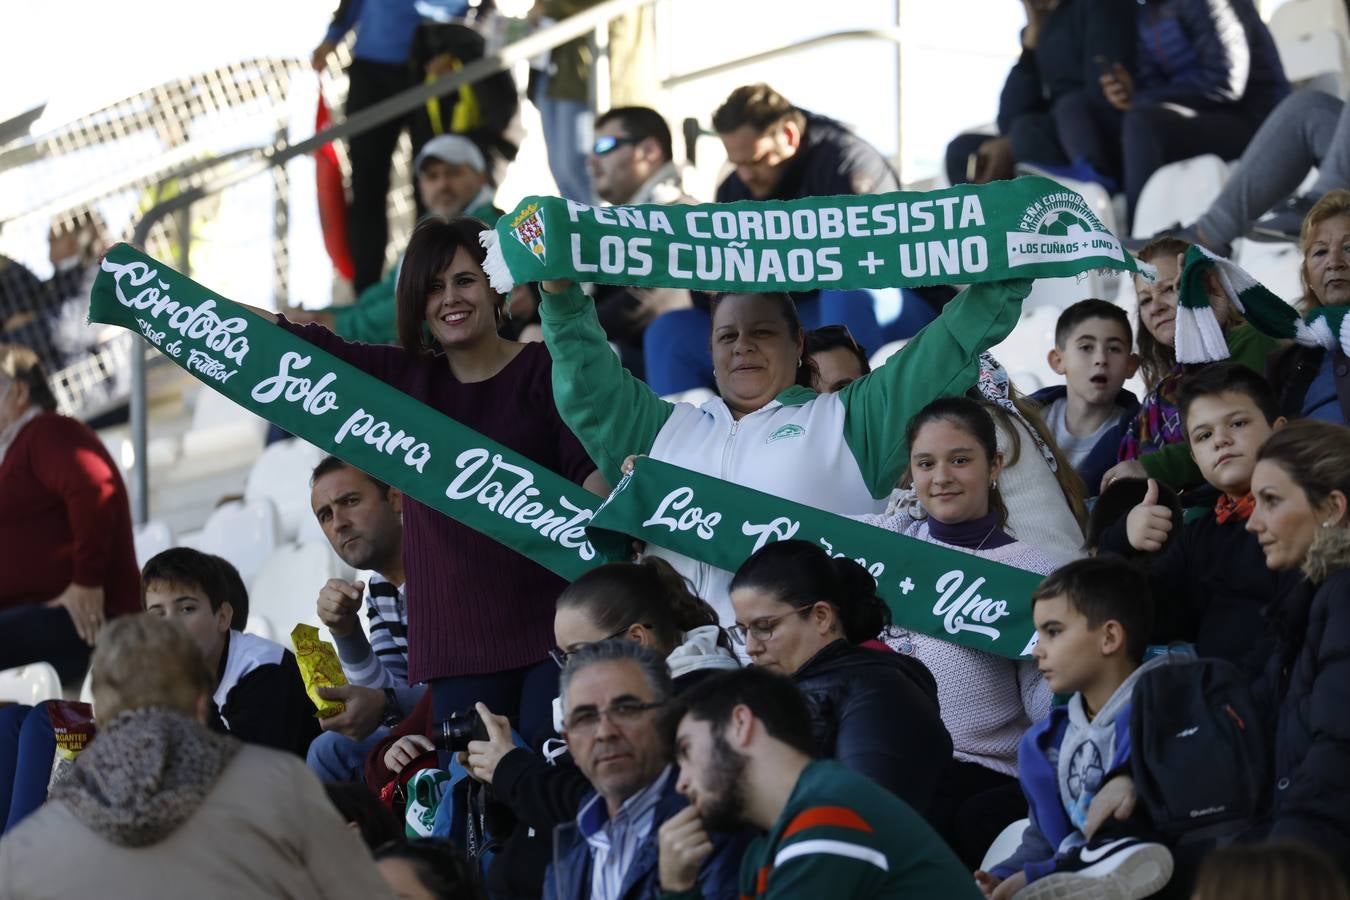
(612,694)
(632,161)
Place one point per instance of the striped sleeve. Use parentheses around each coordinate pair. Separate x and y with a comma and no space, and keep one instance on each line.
(825,851)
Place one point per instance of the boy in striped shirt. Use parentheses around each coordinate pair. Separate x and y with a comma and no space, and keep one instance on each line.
(744,746)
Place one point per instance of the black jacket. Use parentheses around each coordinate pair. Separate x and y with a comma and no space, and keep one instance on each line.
(877,713)
(1210,587)
(830,160)
(1307,689)
(1291,372)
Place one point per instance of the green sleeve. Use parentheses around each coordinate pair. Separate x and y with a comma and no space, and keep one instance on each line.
(941,360)
(613,414)
(1173,465)
(373,318)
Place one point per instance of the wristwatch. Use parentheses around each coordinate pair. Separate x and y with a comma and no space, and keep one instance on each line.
(392,714)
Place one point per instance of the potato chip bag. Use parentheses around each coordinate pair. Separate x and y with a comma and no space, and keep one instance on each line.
(319,667)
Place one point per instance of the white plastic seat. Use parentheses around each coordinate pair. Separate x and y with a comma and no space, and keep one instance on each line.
(222,430)
(281,475)
(1179,192)
(885,352)
(243,533)
(151,538)
(1313,39)
(285,589)
(30,684)
(1005,845)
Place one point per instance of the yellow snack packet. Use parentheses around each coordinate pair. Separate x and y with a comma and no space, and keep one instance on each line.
(319,667)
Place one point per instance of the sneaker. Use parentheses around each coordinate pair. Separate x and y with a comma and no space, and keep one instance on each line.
(1188,233)
(1284,222)
(1121,869)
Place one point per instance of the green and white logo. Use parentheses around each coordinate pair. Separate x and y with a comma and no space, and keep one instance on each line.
(786,431)
(1060,226)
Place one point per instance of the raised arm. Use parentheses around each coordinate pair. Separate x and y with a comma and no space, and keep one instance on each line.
(613,414)
(941,360)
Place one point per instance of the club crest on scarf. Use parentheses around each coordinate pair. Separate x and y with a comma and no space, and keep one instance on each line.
(528,227)
(1060,226)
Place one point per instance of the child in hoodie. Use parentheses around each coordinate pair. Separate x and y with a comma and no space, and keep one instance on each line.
(1092,623)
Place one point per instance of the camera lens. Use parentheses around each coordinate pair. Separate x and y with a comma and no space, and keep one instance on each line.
(458,730)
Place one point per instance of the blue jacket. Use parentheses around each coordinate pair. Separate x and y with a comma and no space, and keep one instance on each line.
(569,877)
(1050,824)
(1103,456)
(1208,54)
(384,28)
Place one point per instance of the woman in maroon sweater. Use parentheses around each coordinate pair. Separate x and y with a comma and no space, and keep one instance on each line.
(68,558)
(480,615)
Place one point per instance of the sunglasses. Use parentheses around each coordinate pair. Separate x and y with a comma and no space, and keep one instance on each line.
(609,143)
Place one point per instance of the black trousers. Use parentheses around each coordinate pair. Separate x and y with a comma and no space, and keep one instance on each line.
(371,153)
(1034,140)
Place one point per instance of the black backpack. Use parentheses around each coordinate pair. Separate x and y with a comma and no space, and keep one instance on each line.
(1200,759)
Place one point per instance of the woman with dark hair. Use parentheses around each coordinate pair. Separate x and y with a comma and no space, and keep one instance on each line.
(479,614)
(805,615)
(987,701)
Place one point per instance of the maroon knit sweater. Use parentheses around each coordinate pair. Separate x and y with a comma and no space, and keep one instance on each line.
(474,606)
(64,517)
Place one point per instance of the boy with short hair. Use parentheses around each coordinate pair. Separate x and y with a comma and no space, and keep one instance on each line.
(1089,413)
(1093,618)
(258,696)
(1211,584)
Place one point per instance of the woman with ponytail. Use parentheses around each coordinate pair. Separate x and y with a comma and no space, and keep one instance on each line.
(988,701)
(810,617)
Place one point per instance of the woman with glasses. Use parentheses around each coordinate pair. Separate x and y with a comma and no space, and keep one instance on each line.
(768,427)
(815,619)
(988,701)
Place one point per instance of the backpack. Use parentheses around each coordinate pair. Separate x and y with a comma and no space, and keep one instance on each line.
(1200,760)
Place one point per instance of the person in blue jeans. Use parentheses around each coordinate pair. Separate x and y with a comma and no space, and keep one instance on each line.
(362,519)
(27,747)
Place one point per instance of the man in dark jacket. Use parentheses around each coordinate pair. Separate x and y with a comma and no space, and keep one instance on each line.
(611,694)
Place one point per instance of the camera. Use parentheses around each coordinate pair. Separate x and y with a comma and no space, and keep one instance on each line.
(456,732)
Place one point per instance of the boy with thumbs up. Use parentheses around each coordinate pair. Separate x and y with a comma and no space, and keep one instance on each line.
(1211,584)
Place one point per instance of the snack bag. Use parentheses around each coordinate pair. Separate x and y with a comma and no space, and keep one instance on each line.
(73,728)
(319,667)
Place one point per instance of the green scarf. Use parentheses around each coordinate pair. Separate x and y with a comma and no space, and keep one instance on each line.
(1026,228)
(539,514)
(1200,339)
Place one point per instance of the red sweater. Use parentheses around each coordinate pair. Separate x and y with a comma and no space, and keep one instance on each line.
(64,517)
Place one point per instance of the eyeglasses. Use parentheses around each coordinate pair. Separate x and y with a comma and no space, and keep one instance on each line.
(583,722)
(763,629)
(831,335)
(560,655)
(609,143)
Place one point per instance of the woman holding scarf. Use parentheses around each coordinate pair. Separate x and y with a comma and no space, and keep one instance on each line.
(840,452)
(480,616)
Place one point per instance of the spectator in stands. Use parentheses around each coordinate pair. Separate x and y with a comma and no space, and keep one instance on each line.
(1276,869)
(816,620)
(1312,382)
(429,869)
(1206,75)
(1115,503)
(257,693)
(781,152)
(745,750)
(158,805)
(835,358)
(561,96)
(1212,584)
(364,813)
(1301,482)
(852,441)
(612,694)
(1154,446)
(65,526)
(1059,43)
(987,701)
(452,181)
(633,161)
(1093,618)
(362,519)
(1089,413)
(380,69)
(1309,129)
(479,614)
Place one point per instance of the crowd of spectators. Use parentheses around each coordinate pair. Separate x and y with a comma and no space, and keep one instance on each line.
(659,727)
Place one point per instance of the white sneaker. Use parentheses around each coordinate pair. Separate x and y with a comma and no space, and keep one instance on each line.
(1122,869)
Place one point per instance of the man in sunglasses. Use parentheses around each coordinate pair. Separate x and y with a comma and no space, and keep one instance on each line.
(632,161)
(612,695)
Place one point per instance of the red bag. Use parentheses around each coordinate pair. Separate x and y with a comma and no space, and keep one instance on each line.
(332,198)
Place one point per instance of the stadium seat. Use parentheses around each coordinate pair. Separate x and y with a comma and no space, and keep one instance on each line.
(1179,192)
(885,352)
(151,538)
(1313,39)
(1275,265)
(1005,845)
(286,586)
(31,684)
(243,533)
(281,475)
(222,433)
